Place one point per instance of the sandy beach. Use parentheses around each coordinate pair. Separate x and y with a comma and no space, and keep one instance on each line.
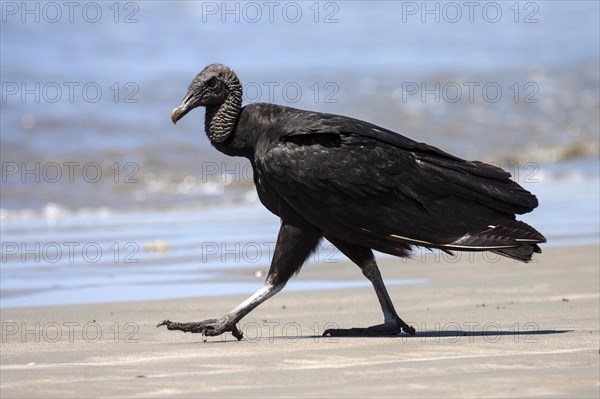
(113,219)
(484,329)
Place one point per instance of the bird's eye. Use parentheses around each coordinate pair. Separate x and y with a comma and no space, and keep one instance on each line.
(212,83)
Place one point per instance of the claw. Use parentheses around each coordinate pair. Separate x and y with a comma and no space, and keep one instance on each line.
(210,327)
(164,323)
(409,330)
(237,333)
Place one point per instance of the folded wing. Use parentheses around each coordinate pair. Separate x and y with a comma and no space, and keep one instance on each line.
(370,186)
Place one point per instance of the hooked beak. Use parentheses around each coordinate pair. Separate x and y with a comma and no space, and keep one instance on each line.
(183,108)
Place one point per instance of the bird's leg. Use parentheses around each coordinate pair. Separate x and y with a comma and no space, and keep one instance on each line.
(295,242)
(212,327)
(393,324)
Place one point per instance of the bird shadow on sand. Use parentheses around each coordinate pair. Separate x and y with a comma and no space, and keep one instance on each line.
(452,336)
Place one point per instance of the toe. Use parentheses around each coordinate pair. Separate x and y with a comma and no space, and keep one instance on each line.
(163,323)
(409,330)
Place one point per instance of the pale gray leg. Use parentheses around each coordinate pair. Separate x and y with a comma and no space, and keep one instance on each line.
(393,324)
(295,242)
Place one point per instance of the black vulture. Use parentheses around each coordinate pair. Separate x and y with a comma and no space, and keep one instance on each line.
(360,186)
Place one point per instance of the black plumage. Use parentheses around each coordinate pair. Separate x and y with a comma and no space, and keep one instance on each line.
(360,186)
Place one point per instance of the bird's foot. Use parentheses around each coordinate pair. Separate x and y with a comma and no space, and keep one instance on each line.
(210,327)
(380,330)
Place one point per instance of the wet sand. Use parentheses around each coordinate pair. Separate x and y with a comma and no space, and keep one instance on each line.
(484,329)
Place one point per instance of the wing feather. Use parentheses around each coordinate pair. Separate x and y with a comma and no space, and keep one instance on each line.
(363,184)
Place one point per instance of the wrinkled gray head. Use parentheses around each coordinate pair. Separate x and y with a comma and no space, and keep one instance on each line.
(211,87)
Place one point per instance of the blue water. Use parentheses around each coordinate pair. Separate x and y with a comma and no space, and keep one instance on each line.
(99,94)
(102,164)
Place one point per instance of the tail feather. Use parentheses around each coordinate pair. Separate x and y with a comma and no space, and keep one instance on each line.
(510,238)
(517,230)
(522,253)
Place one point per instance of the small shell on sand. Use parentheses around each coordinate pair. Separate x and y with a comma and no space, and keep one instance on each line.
(158,246)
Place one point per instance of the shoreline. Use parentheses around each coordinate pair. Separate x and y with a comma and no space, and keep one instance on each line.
(61,257)
(502,329)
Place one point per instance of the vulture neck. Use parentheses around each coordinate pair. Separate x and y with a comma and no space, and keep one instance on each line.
(220,120)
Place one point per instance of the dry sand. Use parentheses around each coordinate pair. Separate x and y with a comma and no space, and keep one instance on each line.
(485,329)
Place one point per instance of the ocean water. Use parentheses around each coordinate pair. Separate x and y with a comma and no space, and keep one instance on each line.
(102,198)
